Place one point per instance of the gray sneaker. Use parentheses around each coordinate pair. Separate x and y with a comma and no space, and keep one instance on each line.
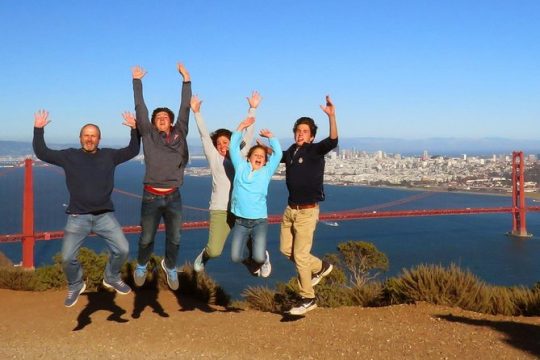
(325,270)
(198,264)
(266,268)
(139,275)
(303,306)
(172,276)
(119,286)
(73,296)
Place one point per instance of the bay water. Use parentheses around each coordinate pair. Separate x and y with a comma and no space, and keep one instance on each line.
(474,242)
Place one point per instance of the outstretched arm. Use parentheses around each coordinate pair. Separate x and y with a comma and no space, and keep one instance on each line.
(183,114)
(141,111)
(275,156)
(41,119)
(129,152)
(254,100)
(330,110)
(210,150)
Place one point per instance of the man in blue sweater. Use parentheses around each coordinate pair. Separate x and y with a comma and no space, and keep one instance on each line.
(89,173)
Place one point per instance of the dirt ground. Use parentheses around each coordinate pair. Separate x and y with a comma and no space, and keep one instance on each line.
(146,324)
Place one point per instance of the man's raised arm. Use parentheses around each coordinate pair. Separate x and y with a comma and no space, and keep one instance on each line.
(141,110)
(330,110)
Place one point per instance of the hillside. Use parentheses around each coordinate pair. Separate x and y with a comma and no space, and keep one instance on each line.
(150,325)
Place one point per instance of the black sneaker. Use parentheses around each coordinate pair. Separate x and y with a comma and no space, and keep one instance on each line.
(303,306)
(326,269)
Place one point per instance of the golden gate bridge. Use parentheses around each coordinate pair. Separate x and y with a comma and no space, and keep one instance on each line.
(518,210)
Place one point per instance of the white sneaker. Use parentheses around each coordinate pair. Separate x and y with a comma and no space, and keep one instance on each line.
(266,268)
(303,306)
(198,264)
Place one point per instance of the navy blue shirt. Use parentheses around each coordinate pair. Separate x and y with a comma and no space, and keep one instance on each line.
(304,167)
(89,177)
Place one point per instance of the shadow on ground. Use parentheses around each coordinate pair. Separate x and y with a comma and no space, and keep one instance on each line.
(525,337)
(97,301)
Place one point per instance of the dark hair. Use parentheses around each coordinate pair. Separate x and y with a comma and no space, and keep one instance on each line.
(163,109)
(255,147)
(218,133)
(307,121)
(87,125)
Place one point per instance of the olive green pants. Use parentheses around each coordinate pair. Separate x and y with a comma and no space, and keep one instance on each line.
(221,223)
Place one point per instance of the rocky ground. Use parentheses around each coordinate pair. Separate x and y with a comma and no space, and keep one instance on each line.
(36,325)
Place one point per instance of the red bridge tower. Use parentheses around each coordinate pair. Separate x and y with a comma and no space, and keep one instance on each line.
(519,224)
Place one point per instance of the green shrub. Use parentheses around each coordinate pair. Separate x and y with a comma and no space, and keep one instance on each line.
(362,261)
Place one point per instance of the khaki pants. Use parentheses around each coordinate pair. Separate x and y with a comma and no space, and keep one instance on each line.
(221,223)
(296,240)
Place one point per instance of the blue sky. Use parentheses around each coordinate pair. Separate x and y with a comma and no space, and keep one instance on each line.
(395,69)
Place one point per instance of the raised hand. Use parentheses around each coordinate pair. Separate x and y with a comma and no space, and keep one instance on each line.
(329,109)
(254,100)
(195,104)
(266,133)
(245,123)
(183,71)
(129,120)
(41,118)
(267,148)
(138,72)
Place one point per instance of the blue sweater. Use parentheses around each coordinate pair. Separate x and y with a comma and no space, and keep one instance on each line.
(89,177)
(250,188)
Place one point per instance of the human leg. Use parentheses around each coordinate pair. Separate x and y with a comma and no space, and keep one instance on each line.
(286,235)
(239,236)
(172,217)
(106,226)
(220,225)
(76,230)
(306,264)
(150,217)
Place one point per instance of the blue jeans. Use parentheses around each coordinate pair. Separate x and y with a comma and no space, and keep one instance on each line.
(241,232)
(153,208)
(77,229)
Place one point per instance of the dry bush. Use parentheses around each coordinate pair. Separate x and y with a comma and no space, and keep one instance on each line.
(439,285)
(368,295)
(16,278)
(515,301)
(260,298)
(4,261)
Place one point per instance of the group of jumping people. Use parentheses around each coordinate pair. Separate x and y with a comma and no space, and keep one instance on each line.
(240,172)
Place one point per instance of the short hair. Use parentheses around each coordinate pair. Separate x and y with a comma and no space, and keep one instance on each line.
(163,109)
(94,125)
(218,133)
(255,147)
(307,121)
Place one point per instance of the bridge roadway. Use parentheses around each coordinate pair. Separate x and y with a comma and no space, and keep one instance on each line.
(276,219)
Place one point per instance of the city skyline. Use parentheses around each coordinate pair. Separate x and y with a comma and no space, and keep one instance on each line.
(411,70)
